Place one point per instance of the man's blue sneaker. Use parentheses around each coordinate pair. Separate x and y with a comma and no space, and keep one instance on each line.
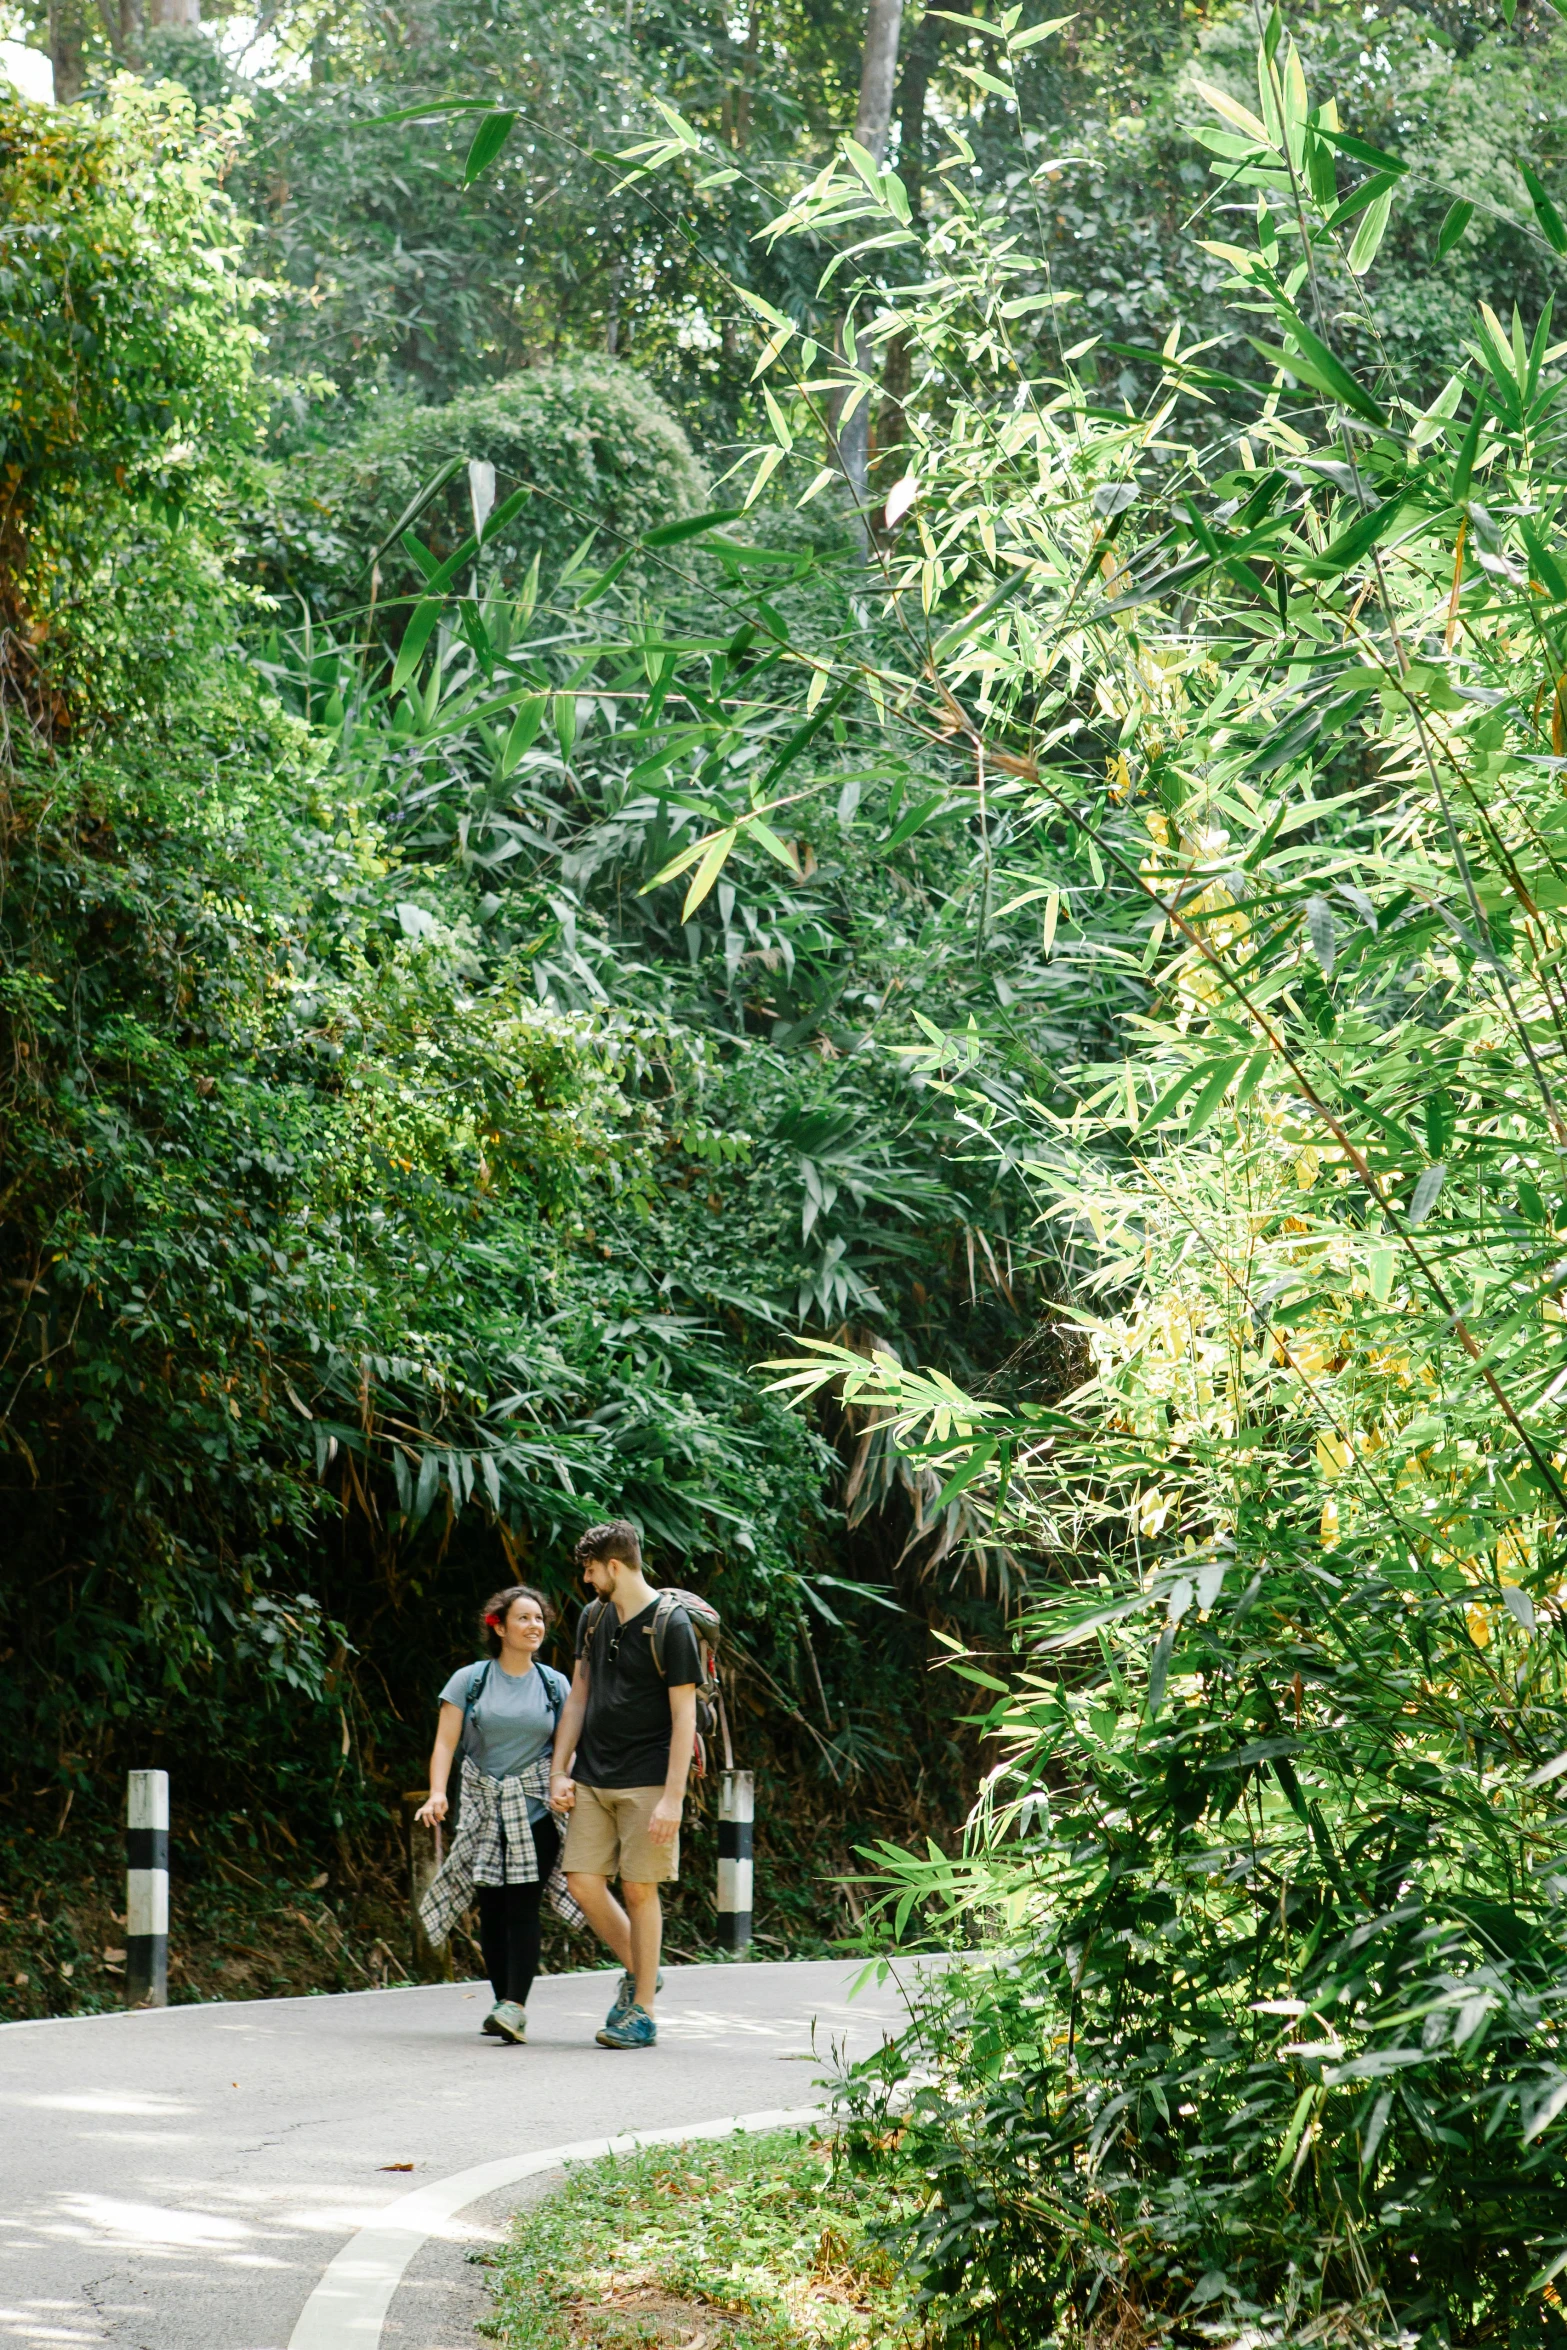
(635,2029)
(625,1998)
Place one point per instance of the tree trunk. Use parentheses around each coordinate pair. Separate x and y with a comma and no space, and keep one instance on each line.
(891,425)
(919,63)
(753,42)
(175,12)
(918,66)
(878,73)
(67,50)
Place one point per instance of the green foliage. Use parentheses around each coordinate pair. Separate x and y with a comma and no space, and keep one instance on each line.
(389,269)
(1114,196)
(767,2233)
(301,1195)
(126,359)
(567,749)
(113,252)
(379,1207)
(596,450)
(397,272)
(302,1213)
(1273,1850)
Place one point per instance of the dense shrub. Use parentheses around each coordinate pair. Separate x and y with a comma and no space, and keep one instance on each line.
(599,450)
(126,397)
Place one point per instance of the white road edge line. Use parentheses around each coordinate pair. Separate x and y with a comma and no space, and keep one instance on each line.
(350,2303)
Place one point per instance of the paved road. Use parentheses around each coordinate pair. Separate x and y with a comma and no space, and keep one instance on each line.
(180,2180)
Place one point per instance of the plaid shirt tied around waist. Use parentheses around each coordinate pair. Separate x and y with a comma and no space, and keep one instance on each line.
(494,1846)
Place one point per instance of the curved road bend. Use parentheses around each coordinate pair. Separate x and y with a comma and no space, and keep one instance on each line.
(180,2180)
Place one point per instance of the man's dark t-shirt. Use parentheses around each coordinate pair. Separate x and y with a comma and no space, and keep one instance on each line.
(625,1738)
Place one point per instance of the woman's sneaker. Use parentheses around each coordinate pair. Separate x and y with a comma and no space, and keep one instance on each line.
(634,2029)
(625,1998)
(509,2022)
(489,2024)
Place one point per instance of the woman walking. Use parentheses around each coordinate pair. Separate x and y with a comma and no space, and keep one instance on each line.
(502,1712)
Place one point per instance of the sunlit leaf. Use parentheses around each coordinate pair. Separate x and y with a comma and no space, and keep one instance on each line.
(712,864)
(1369,235)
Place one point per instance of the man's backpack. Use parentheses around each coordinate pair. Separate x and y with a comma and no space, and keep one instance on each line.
(707,1624)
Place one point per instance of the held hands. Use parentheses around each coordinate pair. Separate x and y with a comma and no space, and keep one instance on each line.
(431,1813)
(664,1819)
(563,1791)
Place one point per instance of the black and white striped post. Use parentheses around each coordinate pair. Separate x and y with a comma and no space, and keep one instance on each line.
(147,1889)
(736,1806)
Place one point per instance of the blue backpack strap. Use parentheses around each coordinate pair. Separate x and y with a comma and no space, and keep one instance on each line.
(471,1695)
(557,1686)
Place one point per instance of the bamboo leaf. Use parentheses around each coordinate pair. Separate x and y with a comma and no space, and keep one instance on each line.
(1369,235)
(1362,150)
(1356,201)
(690,526)
(917,817)
(523,731)
(763,834)
(1354,544)
(427,1486)
(1427,1192)
(1213,1093)
(1315,364)
(1545,212)
(1159,1669)
(1039,32)
(415,637)
(488,140)
(1319,925)
(1454,222)
(713,861)
(1298,2120)
(1239,117)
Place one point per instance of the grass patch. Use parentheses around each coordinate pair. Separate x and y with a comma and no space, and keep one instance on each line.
(752,2243)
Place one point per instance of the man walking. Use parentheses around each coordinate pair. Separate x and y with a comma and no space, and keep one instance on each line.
(622,1752)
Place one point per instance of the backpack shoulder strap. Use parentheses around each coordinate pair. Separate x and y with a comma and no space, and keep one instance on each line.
(669,1604)
(557,1688)
(477,1682)
(593,1616)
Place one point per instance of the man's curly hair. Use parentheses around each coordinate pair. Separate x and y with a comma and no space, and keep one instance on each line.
(617,1538)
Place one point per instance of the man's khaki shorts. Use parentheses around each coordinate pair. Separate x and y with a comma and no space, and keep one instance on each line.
(607,1836)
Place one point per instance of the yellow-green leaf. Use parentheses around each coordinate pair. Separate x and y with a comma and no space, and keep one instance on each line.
(707,872)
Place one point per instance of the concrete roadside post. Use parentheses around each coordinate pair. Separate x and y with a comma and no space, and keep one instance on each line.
(147,1889)
(736,1803)
(424,1858)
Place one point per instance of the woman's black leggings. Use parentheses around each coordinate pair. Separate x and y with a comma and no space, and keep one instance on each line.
(509,1922)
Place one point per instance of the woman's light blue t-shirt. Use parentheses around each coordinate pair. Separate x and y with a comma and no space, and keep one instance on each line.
(513,1721)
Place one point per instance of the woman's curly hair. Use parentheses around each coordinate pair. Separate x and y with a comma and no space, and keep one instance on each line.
(498,1607)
